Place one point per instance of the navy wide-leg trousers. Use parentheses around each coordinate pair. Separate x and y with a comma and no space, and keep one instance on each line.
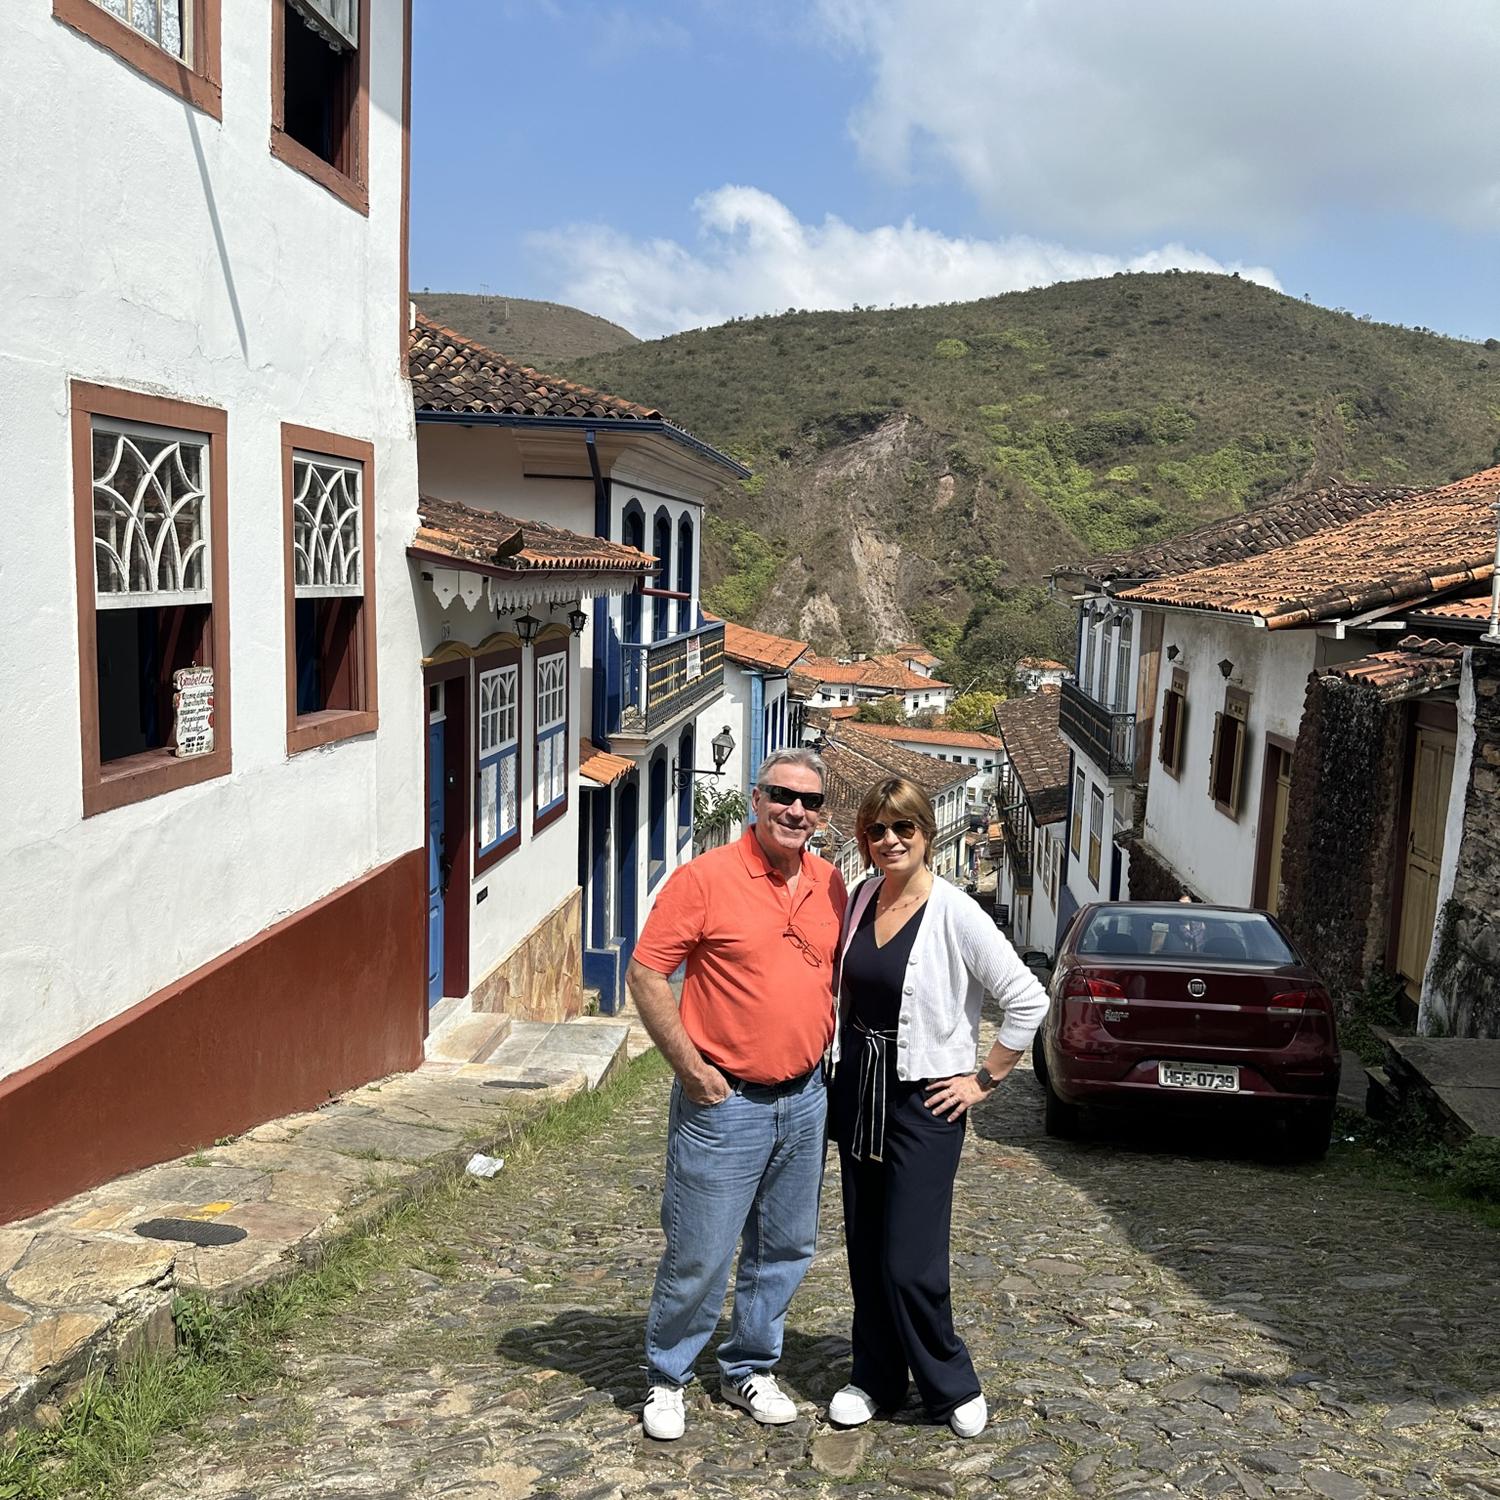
(897,1218)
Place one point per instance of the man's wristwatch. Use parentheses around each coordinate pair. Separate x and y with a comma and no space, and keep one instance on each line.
(986,1080)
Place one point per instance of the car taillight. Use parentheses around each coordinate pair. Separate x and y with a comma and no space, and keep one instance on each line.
(1087,987)
(1315,1001)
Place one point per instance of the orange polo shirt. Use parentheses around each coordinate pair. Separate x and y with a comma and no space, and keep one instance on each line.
(754,1001)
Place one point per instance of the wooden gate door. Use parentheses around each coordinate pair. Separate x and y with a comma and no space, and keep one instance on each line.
(1281,790)
(1432,780)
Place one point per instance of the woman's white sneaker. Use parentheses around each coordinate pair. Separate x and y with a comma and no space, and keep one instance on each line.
(850,1407)
(663,1418)
(968,1420)
(762,1398)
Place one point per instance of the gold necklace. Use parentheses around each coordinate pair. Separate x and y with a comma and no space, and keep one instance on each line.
(891,906)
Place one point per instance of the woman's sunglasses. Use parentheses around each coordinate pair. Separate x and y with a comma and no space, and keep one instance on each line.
(903,828)
(784,796)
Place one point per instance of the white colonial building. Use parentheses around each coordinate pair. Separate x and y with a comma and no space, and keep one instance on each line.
(853,682)
(571,834)
(213,853)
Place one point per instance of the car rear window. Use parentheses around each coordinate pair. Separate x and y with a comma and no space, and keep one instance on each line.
(1246,936)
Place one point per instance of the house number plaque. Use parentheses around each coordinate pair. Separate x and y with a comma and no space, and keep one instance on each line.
(193,710)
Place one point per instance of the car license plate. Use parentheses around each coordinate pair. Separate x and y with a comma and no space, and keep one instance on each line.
(1208,1077)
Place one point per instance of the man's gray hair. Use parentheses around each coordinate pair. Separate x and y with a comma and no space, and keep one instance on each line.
(809,760)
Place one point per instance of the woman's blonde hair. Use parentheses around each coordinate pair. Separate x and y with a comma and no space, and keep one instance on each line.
(893,798)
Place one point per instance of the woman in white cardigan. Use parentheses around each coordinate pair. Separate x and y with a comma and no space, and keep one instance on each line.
(918,958)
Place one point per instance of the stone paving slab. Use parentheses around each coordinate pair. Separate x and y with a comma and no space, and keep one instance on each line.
(1462,1073)
(77,1282)
(1151,1314)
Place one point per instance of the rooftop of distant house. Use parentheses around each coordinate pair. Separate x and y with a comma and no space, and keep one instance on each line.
(1028,730)
(887,671)
(1246,534)
(915,651)
(490,541)
(454,376)
(1039,664)
(876,757)
(955,739)
(1417,545)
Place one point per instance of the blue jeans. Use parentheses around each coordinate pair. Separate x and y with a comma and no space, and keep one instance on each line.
(749,1171)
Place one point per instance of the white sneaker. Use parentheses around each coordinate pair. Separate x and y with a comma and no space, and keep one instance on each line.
(850,1407)
(663,1418)
(762,1398)
(968,1420)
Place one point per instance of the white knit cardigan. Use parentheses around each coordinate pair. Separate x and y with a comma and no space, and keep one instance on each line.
(957,959)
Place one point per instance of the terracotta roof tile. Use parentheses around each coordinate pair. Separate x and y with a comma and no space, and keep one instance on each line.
(875,672)
(1249,533)
(601,766)
(1418,544)
(1471,611)
(1040,664)
(756,648)
(452,373)
(961,739)
(1414,667)
(497,542)
(863,758)
(1028,729)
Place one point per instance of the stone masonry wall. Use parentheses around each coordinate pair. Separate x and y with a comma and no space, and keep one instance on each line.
(1151,877)
(1339,856)
(1463,997)
(541,979)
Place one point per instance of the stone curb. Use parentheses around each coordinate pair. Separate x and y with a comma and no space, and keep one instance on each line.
(99,1323)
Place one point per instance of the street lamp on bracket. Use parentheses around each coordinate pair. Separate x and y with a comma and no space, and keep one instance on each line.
(721,744)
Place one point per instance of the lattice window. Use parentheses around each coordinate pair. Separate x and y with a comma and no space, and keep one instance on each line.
(551,730)
(162,21)
(151,542)
(499,756)
(327,544)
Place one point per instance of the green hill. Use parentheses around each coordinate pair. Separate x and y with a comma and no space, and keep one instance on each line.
(922,469)
(541,334)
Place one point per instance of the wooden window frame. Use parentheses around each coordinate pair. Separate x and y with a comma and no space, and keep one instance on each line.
(351,187)
(505,656)
(1174,709)
(541,651)
(329,725)
(152,773)
(1096,834)
(197,82)
(1080,789)
(1236,712)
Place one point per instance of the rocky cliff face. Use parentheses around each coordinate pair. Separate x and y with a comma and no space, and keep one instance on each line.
(879,528)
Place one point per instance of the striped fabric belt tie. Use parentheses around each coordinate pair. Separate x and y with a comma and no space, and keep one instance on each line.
(869,1116)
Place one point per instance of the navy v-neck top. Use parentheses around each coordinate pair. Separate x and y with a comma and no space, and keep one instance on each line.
(874,976)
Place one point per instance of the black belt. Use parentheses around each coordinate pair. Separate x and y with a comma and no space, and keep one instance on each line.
(786,1086)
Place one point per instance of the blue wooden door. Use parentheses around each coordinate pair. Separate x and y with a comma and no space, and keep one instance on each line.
(627,813)
(437,861)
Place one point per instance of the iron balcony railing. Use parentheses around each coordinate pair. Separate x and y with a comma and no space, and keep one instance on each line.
(665,679)
(1107,738)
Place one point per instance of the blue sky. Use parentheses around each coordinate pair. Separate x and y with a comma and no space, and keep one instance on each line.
(680,163)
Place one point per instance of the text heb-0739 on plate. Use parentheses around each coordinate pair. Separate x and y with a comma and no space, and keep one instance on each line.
(193,710)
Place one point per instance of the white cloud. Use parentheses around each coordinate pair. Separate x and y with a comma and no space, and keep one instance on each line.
(754,256)
(1156,117)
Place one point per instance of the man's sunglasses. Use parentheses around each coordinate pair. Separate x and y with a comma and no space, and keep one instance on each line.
(784,796)
(903,828)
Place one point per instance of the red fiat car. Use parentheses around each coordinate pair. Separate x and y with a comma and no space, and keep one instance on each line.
(1188,1008)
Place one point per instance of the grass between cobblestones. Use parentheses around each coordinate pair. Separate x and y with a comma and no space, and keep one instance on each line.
(1407,1153)
(111,1424)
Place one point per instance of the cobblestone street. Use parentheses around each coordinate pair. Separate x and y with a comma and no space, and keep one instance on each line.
(1145,1323)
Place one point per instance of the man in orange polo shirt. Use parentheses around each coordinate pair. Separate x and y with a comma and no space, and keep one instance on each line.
(757,924)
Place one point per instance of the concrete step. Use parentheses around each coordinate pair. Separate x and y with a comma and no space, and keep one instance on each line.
(467,1036)
(637,1041)
(544,1051)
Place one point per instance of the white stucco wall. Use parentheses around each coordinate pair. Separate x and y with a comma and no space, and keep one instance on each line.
(1433,1008)
(168,253)
(1213,853)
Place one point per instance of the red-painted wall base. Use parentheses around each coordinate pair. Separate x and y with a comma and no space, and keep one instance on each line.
(319,1003)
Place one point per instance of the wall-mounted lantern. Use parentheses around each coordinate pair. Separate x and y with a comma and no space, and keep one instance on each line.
(527,627)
